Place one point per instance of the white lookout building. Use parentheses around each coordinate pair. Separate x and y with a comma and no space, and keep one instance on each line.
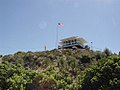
(72,42)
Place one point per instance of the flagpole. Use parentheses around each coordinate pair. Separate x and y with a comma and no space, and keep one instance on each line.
(56,36)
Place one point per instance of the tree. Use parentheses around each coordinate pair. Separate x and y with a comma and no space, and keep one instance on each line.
(104,76)
(15,77)
(99,55)
(119,53)
(107,52)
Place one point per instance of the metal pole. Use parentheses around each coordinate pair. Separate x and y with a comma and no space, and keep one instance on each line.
(56,37)
(45,48)
(91,45)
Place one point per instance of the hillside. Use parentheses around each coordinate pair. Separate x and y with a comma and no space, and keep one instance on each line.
(35,60)
(59,69)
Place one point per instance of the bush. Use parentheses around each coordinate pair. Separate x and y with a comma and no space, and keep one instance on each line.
(15,77)
(104,76)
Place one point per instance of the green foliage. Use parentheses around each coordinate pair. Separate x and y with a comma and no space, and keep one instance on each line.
(99,55)
(0,56)
(86,59)
(15,77)
(54,79)
(104,76)
(107,52)
(62,69)
(44,82)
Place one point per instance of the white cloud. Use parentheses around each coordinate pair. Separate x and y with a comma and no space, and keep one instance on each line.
(42,24)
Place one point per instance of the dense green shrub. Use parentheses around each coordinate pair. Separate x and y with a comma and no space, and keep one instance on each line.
(63,69)
(15,77)
(103,76)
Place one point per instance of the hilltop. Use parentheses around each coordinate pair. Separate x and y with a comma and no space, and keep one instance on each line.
(66,69)
(36,60)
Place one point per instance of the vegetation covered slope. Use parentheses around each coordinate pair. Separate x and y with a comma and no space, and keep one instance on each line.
(63,69)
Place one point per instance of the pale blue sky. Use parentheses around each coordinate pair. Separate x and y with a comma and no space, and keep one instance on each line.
(29,25)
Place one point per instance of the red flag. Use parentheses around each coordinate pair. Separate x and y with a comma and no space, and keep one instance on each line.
(60,24)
